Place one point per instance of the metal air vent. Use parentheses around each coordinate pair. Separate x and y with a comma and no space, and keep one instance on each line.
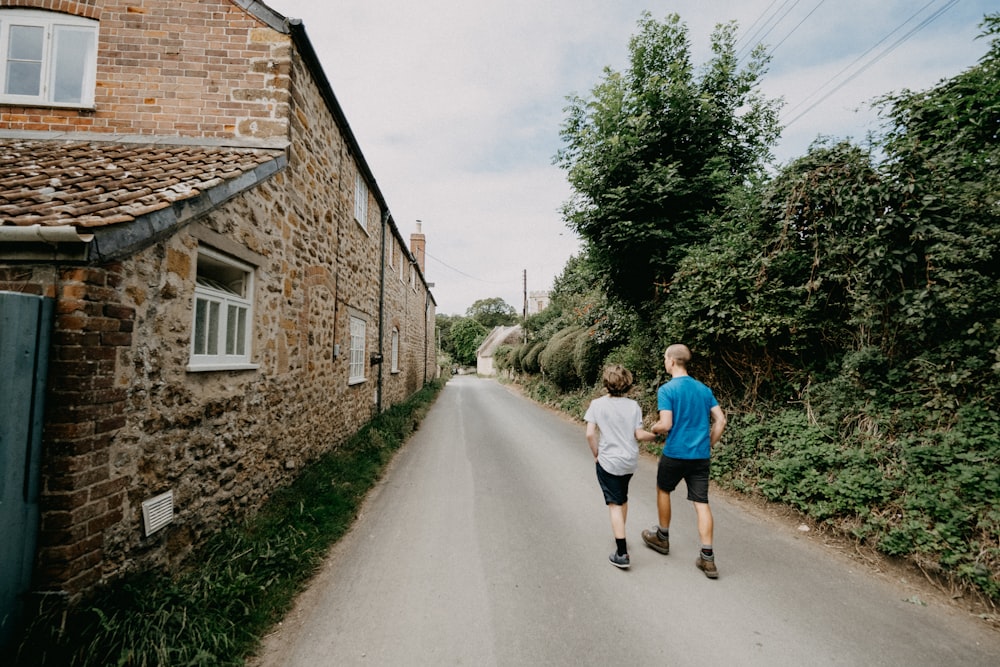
(157,512)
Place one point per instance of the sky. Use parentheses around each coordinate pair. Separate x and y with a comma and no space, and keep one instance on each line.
(457,104)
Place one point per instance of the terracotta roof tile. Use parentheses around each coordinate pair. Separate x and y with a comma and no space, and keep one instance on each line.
(93,184)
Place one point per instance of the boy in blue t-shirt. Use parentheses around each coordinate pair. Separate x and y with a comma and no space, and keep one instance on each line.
(693,422)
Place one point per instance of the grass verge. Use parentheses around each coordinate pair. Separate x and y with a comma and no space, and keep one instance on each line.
(215,610)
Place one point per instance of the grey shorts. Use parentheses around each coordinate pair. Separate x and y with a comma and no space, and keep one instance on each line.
(694,472)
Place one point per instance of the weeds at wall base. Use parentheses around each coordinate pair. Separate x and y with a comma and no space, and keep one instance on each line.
(241,582)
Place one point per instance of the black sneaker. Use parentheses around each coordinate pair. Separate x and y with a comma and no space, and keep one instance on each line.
(619,561)
(655,542)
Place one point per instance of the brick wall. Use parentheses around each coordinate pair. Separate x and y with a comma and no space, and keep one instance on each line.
(195,68)
(85,409)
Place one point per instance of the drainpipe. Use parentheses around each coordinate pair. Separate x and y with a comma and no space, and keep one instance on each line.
(381,311)
(43,234)
(427,299)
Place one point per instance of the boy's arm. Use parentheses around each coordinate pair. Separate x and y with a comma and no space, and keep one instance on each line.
(592,438)
(642,435)
(664,423)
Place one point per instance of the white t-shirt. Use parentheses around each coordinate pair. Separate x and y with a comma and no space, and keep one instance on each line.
(617,418)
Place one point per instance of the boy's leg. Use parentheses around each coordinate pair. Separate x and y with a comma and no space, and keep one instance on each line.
(663,508)
(617,520)
(706,525)
(698,494)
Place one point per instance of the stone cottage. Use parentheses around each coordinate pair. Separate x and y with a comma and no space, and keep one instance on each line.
(231,294)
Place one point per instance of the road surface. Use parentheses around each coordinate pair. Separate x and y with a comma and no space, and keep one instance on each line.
(487,543)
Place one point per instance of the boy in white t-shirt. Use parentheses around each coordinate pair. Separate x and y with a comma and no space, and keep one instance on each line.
(614,427)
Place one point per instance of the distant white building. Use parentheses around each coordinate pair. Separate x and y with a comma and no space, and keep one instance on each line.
(499,336)
(537,301)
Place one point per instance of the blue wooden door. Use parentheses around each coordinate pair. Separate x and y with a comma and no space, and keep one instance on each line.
(25,329)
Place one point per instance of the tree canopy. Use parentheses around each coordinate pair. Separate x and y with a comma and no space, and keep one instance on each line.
(467,335)
(492,312)
(655,149)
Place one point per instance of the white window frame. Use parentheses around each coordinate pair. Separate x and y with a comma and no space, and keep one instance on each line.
(219,340)
(394,350)
(361,201)
(358,360)
(392,251)
(54,26)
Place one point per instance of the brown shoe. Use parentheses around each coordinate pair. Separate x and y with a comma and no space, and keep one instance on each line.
(708,567)
(655,542)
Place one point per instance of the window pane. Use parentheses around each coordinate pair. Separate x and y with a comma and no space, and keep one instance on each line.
(357,371)
(395,350)
(213,328)
(241,332)
(74,50)
(236,318)
(26,42)
(24,60)
(24,78)
(231,323)
(200,326)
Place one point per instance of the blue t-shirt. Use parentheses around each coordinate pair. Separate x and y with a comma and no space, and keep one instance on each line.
(691,403)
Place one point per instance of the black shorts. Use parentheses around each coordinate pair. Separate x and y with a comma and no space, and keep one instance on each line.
(615,487)
(694,472)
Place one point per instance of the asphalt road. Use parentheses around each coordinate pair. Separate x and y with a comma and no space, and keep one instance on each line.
(487,544)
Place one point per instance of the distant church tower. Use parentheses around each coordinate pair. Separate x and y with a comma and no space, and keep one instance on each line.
(537,302)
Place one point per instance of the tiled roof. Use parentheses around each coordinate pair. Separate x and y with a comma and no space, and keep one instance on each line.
(95,184)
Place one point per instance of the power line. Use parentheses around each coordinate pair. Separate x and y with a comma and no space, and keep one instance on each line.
(463,273)
(856,60)
(756,21)
(797,26)
(753,41)
(933,17)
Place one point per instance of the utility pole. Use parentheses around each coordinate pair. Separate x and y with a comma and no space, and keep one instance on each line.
(524,306)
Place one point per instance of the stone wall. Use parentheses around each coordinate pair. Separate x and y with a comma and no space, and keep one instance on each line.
(195,68)
(126,419)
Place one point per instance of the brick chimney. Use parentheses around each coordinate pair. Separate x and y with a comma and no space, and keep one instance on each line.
(417,244)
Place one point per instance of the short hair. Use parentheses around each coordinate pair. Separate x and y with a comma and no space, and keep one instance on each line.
(617,379)
(679,353)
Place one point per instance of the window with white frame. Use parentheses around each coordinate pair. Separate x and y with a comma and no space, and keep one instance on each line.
(357,372)
(223,313)
(394,349)
(402,263)
(47,58)
(392,251)
(361,201)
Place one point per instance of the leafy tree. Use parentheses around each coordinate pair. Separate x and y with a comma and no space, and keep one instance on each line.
(653,151)
(467,335)
(444,324)
(492,312)
(940,274)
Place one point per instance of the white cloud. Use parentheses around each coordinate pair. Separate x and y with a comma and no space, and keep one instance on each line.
(457,103)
